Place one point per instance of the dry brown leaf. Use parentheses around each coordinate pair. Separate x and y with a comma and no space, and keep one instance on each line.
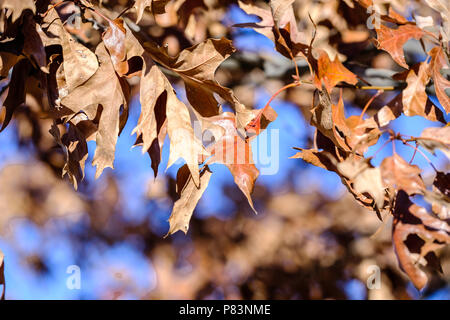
(436,138)
(437,63)
(17,7)
(321,159)
(398,174)
(16,90)
(264,26)
(431,233)
(364,177)
(106,89)
(33,47)
(197,66)
(114,39)
(190,193)
(157,7)
(7,61)
(392,40)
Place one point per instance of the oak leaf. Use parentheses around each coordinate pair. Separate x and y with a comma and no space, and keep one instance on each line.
(197,66)
(106,89)
(18,7)
(190,193)
(429,233)
(398,174)
(436,138)
(437,63)
(364,178)
(392,40)
(157,7)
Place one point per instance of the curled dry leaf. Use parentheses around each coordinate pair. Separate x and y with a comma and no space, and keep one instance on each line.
(439,197)
(350,133)
(73,142)
(416,235)
(16,90)
(235,153)
(264,26)
(364,178)
(197,66)
(437,63)
(7,61)
(79,63)
(392,40)
(321,159)
(190,193)
(353,133)
(114,39)
(18,7)
(400,175)
(111,97)
(436,138)
(414,98)
(156,6)
(33,47)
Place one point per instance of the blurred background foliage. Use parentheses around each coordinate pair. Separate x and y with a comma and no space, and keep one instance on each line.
(310,239)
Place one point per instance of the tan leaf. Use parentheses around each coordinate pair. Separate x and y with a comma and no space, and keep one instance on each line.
(365,179)
(114,39)
(398,174)
(264,26)
(157,7)
(183,143)
(439,197)
(17,7)
(80,63)
(414,95)
(197,66)
(190,193)
(103,88)
(437,63)
(320,159)
(75,150)
(436,138)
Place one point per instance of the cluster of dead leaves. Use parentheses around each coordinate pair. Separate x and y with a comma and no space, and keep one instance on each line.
(340,142)
(87,96)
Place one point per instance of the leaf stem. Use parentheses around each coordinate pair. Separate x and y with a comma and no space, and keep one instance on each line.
(53,7)
(423,154)
(368,104)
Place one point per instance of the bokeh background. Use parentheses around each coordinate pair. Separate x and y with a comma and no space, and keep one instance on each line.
(310,239)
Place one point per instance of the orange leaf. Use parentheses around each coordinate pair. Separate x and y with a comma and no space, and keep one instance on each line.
(331,72)
(392,40)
